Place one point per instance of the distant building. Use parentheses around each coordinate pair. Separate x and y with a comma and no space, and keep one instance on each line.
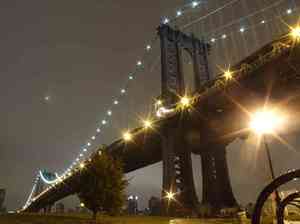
(132,205)
(59,208)
(154,205)
(2,198)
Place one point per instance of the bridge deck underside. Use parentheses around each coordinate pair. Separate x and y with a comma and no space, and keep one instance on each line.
(218,115)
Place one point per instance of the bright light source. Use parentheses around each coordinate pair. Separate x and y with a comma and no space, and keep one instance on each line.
(81,165)
(81,155)
(213,40)
(228,75)
(47,98)
(266,121)
(77,159)
(289,11)
(158,103)
(116,102)
(242,30)
(104,122)
(295,33)
(185,101)
(139,63)
(147,124)
(224,36)
(93,137)
(263,22)
(88,144)
(179,13)
(161,111)
(148,47)
(166,20)
(98,130)
(130,77)
(123,91)
(195,4)
(127,136)
(82,205)
(84,149)
(109,112)
(170,195)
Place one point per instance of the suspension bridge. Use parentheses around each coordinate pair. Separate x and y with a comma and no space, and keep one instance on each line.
(220,60)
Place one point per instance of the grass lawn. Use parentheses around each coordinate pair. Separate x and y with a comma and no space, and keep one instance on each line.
(85,219)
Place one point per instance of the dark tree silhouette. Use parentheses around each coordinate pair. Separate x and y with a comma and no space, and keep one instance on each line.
(104,185)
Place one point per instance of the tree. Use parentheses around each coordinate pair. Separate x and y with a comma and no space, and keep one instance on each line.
(103,185)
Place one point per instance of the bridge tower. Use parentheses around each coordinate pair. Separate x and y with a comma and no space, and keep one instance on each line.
(176,156)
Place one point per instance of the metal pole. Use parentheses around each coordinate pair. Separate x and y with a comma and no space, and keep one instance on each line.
(277,197)
(269,157)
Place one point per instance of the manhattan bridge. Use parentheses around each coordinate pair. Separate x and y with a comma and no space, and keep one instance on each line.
(218,61)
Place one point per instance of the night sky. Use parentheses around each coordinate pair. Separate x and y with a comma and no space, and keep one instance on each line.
(79,53)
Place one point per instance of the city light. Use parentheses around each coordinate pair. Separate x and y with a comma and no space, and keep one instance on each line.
(266,121)
(158,103)
(82,205)
(295,33)
(147,124)
(195,4)
(166,21)
(81,165)
(228,75)
(185,101)
(127,136)
(179,13)
(170,195)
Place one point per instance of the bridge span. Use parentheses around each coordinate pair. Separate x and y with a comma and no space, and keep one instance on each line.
(219,113)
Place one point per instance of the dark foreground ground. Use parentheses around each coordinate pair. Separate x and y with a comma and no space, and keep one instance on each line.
(82,219)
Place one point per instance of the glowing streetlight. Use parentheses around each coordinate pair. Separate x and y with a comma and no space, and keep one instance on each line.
(82,205)
(266,121)
(295,33)
(228,75)
(147,124)
(170,196)
(185,101)
(127,136)
(81,165)
(158,103)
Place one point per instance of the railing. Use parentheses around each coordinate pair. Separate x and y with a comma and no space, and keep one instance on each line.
(281,203)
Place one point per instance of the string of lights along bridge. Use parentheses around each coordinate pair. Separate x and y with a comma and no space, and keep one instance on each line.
(178,20)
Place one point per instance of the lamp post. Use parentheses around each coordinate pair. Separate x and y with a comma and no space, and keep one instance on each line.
(266,122)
